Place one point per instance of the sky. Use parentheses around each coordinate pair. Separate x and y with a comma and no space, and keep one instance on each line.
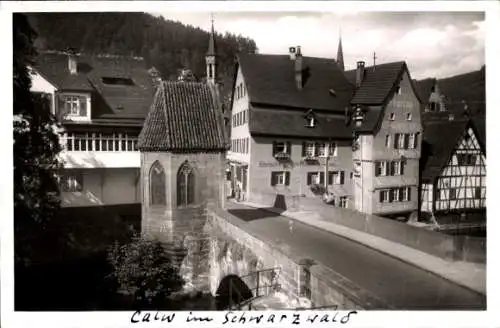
(434,44)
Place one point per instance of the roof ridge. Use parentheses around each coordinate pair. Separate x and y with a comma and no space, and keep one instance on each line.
(162,97)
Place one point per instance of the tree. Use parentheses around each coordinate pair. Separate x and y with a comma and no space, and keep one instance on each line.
(36,145)
(144,269)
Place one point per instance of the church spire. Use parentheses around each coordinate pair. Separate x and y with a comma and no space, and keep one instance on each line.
(210,57)
(340,54)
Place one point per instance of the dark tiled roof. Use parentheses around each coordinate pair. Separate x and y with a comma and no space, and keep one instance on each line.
(270,80)
(292,123)
(424,88)
(440,139)
(469,87)
(184,116)
(108,101)
(377,83)
(479,122)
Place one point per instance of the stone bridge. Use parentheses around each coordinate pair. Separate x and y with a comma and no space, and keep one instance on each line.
(235,265)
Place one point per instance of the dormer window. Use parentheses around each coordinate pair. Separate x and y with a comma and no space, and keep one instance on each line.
(311,122)
(310,119)
(117,81)
(398,90)
(392,116)
(408,117)
(75,105)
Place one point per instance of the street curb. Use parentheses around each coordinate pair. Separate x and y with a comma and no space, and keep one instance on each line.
(406,260)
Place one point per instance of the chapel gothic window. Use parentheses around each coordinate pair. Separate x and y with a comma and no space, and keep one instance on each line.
(157,184)
(185,185)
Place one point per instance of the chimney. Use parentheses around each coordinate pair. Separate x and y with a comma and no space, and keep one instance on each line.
(72,64)
(291,52)
(298,68)
(360,73)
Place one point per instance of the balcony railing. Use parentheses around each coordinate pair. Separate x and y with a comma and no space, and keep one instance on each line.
(282,156)
(116,142)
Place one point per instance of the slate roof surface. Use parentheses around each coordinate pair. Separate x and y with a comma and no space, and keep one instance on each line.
(108,101)
(377,84)
(184,116)
(292,123)
(270,80)
(439,140)
(468,87)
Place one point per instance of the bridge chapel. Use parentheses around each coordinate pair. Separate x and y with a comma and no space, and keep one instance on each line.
(182,147)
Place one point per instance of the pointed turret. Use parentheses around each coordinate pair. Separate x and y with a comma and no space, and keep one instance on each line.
(340,54)
(211,57)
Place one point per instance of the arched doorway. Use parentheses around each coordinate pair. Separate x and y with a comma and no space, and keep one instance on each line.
(232,290)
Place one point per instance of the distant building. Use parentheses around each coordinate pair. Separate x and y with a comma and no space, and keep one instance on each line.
(292,127)
(102,102)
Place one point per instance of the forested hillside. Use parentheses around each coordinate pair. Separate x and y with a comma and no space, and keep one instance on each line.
(165,44)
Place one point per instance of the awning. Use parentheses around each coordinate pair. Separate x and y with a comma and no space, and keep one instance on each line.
(338,190)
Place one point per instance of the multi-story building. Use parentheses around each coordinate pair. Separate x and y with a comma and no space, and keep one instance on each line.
(102,102)
(386,150)
(293,124)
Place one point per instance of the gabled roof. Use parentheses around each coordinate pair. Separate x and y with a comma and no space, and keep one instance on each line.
(440,138)
(378,83)
(184,117)
(270,80)
(109,101)
(424,88)
(292,123)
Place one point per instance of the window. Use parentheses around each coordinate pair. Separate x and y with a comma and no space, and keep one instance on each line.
(157,184)
(413,140)
(392,116)
(466,159)
(315,178)
(336,177)
(280,178)
(388,141)
(311,122)
(380,168)
(185,185)
(332,151)
(343,201)
(72,105)
(408,117)
(453,193)
(71,182)
(117,81)
(398,90)
(282,149)
(396,168)
(477,193)
(433,106)
(309,149)
(322,150)
(400,140)
(395,195)
(384,196)
(405,194)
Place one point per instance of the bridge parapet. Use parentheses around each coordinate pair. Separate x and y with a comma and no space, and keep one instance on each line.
(236,251)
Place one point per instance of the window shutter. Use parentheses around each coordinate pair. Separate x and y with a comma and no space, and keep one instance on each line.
(274,148)
(321,178)
(415,143)
(287,178)
(408,190)
(392,168)
(406,140)
(396,140)
(377,169)
(303,149)
(309,178)
(391,196)
(316,149)
(403,163)
(330,178)
(273,178)
(60,105)
(289,148)
(83,106)
(341,177)
(381,196)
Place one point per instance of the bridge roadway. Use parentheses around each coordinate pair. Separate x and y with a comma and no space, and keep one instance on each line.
(398,283)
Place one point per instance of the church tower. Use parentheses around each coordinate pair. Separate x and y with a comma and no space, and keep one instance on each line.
(211,58)
(340,54)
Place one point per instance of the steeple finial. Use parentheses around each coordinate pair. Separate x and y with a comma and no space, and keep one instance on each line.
(340,53)
(211,55)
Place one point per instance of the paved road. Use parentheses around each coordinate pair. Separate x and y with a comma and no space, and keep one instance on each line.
(392,280)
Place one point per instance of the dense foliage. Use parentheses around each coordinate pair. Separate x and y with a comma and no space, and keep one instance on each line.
(167,45)
(36,145)
(144,269)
